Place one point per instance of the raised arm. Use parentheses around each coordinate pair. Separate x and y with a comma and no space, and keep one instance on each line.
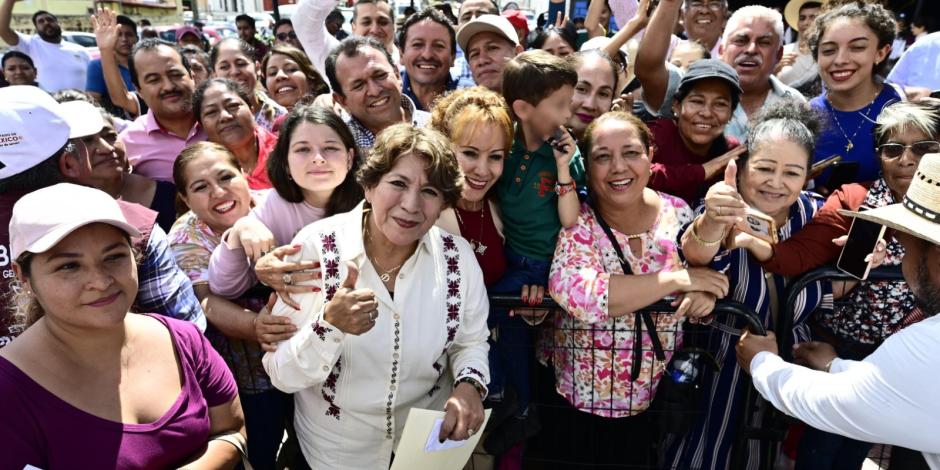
(592,22)
(6,16)
(106,34)
(636,24)
(650,64)
(723,207)
(310,25)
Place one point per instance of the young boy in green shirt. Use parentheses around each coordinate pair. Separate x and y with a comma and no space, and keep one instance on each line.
(537,196)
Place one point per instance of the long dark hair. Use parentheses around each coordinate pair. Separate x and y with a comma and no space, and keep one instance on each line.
(348,193)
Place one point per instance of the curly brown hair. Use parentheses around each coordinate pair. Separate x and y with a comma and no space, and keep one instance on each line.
(401,140)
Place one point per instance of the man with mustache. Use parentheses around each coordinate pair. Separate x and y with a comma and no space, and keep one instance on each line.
(374,18)
(469,10)
(428,47)
(752,44)
(60,64)
(367,84)
(890,396)
(163,80)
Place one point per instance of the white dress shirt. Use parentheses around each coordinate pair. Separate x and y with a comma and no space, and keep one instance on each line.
(353,393)
(889,398)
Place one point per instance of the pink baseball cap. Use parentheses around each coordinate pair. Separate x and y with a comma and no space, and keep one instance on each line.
(42,218)
(180,32)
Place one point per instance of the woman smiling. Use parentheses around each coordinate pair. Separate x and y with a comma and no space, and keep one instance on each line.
(233,58)
(771,178)
(379,334)
(290,77)
(221,105)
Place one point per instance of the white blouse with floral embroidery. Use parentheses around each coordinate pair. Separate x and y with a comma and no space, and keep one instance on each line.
(353,393)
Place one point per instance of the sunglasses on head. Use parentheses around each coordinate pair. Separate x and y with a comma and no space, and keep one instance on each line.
(286,36)
(919,149)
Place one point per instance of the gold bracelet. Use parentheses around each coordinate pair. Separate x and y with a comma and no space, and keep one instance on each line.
(699,240)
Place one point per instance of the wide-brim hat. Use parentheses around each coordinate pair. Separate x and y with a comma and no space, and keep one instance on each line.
(918,213)
(791,12)
(486,23)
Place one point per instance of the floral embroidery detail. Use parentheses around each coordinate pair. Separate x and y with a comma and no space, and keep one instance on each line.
(389,415)
(329,256)
(321,330)
(453,301)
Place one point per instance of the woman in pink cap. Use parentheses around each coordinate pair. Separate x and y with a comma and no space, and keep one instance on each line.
(87,381)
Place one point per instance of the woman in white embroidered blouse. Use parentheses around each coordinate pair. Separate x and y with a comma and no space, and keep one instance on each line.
(400,317)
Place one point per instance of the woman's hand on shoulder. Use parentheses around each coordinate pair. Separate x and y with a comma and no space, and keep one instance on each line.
(252,236)
(270,329)
(352,310)
(284,276)
(463,414)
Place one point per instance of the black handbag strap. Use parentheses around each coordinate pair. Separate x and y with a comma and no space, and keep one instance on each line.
(641,317)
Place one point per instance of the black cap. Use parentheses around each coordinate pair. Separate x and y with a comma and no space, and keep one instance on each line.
(709,68)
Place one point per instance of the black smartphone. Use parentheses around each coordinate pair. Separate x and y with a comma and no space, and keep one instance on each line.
(555,140)
(842,173)
(863,236)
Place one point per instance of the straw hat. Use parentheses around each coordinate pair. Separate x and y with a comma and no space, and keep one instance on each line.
(919,213)
(791,12)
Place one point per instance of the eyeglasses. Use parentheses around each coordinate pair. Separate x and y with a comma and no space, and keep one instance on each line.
(286,36)
(919,149)
(699,5)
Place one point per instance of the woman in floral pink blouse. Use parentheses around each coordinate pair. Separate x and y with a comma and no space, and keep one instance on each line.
(593,345)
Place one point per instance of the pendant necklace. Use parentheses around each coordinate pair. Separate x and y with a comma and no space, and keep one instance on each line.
(386,275)
(477,245)
(849,144)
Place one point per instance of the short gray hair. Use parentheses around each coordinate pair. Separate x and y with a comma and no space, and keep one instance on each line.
(903,116)
(789,120)
(754,11)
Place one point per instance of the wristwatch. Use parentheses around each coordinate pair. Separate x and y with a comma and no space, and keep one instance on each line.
(564,188)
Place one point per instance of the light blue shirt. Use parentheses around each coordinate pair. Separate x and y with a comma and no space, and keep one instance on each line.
(920,64)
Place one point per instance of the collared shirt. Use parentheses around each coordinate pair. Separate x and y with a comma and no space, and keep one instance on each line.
(407,91)
(59,66)
(353,392)
(164,288)
(889,397)
(152,149)
(737,127)
(920,64)
(527,198)
(365,138)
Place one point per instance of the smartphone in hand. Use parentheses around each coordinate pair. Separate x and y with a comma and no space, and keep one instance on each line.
(759,225)
(863,236)
(556,140)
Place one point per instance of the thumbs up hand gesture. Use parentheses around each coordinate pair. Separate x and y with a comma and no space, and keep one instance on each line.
(352,310)
(724,206)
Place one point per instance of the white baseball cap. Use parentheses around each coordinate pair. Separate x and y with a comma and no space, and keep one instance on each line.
(42,218)
(487,23)
(84,119)
(32,128)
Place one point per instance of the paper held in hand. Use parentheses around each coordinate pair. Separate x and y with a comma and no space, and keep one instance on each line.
(420,449)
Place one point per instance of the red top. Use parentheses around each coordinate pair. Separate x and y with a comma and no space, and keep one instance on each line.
(258,179)
(676,170)
(812,246)
(480,230)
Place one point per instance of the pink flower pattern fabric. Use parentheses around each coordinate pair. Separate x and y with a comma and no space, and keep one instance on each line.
(592,352)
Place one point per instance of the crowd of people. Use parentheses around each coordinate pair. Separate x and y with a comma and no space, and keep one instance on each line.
(265,254)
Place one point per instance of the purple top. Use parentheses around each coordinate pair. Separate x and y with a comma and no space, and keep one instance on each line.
(38,428)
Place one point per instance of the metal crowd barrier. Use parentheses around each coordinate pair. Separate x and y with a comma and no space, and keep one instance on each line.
(729,318)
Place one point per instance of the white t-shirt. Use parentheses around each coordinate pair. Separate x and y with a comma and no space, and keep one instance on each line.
(59,66)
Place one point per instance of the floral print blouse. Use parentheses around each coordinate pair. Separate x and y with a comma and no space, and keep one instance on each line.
(592,352)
